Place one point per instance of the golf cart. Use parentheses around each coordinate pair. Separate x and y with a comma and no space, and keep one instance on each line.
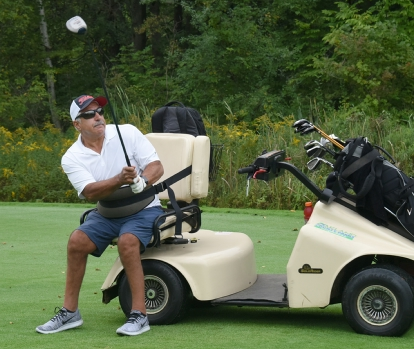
(338,257)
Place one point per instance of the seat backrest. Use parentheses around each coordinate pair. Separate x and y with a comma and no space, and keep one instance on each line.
(177,151)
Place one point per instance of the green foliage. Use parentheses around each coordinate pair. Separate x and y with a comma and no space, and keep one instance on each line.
(302,29)
(371,64)
(260,58)
(142,81)
(30,165)
(30,158)
(237,58)
(248,66)
(22,91)
(242,144)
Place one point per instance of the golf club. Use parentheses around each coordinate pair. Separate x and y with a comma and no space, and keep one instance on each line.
(323,146)
(300,123)
(316,151)
(325,142)
(315,163)
(311,144)
(78,26)
(303,127)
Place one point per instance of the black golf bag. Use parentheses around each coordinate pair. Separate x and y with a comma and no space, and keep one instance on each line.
(175,117)
(380,187)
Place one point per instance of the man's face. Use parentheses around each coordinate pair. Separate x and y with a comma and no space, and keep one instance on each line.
(88,125)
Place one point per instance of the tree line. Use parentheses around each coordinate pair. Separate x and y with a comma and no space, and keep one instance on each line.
(244,58)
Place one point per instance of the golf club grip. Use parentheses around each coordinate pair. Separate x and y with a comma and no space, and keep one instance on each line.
(248,169)
(330,139)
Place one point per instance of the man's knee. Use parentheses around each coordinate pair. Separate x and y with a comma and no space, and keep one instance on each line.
(128,241)
(80,242)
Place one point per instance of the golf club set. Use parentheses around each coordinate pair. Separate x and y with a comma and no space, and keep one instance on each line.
(316,150)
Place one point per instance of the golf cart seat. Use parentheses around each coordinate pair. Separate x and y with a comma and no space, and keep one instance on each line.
(177,152)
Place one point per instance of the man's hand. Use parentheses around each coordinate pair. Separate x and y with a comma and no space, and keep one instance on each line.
(127,175)
(138,185)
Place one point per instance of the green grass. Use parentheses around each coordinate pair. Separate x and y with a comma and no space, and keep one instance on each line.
(33,261)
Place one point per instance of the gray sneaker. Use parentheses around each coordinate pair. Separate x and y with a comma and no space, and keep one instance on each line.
(137,323)
(63,320)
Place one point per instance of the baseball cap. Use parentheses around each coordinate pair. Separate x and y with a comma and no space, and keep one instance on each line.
(82,102)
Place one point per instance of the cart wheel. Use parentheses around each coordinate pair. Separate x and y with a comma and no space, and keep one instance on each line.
(167,294)
(379,301)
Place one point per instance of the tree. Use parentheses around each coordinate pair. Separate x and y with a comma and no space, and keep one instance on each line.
(369,56)
(21,86)
(254,57)
(49,74)
(138,17)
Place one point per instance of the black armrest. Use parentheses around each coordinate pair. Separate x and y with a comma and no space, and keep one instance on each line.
(191,213)
(84,215)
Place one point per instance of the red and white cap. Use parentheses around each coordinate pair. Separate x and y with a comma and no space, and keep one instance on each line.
(82,102)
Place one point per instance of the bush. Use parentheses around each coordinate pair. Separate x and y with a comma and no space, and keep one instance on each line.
(30,158)
(30,165)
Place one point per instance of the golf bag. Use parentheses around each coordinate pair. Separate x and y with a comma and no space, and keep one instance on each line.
(177,119)
(182,119)
(380,187)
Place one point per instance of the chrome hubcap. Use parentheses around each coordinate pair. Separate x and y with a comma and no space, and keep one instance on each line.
(156,294)
(377,305)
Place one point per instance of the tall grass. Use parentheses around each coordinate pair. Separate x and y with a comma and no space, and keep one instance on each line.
(243,142)
(30,158)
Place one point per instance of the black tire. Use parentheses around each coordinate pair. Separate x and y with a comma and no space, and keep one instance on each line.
(379,301)
(167,294)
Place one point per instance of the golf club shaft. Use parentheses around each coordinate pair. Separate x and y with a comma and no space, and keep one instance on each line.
(330,139)
(109,102)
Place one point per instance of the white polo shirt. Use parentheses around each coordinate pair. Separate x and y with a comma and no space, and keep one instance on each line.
(83,165)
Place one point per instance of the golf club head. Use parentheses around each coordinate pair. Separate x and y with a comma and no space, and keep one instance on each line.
(314,164)
(305,131)
(325,143)
(76,25)
(300,123)
(311,144)
(328,163)
(316,151)
(301,128)
(328,145)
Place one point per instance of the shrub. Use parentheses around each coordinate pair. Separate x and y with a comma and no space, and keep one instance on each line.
(30,165)
(30,158)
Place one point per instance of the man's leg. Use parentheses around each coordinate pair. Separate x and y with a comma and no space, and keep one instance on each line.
(79,246)
(129,252)
(134,234)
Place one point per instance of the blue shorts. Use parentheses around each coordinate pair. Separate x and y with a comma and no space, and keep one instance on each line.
(103,230)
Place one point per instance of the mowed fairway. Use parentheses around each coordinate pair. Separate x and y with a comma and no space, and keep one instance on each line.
(33,261)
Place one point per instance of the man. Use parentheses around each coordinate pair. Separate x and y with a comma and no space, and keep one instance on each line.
(95,165)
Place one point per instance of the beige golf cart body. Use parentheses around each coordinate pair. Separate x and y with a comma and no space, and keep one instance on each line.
(334,244)
(223,263)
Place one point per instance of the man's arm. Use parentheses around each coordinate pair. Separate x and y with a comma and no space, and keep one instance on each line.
(153,172)
(99,190)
